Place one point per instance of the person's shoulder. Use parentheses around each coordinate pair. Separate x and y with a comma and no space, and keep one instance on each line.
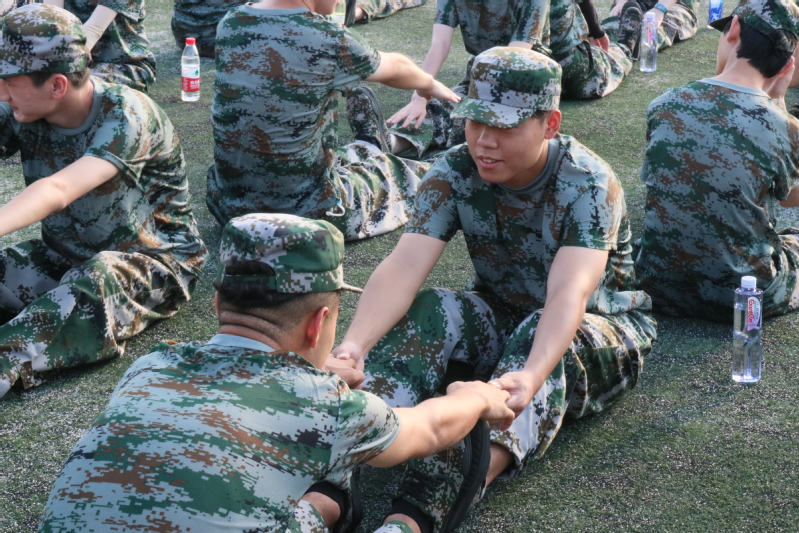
(456,163)
(126,103)
(578,162)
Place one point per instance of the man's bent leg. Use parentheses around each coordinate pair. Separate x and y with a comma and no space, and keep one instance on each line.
(376,191)
(139,76)
(590,72)
(782,294)
(97,305)
(378,9)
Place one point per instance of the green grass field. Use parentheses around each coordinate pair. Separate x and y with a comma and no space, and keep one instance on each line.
(687,450)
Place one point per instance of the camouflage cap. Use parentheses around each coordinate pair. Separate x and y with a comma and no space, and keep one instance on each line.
(41,38)
(766,16)
(509,85)
(305,254)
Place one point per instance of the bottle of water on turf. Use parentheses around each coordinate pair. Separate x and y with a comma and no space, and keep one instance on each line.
(747,347)
(648,47)
(714,11)
(190,72)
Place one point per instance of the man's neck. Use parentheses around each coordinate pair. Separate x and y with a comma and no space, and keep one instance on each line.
(254,333)
(74,108)
(739,72)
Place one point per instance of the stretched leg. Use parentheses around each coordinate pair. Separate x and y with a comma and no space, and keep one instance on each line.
(139,75)
(679,24)
(590,72)
(87,317)
(378,9)
(782,294)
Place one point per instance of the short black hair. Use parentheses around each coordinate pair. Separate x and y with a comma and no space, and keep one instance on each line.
(760,50)
(284,310)
(76,79)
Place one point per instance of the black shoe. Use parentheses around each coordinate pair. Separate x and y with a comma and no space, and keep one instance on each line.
(349,17)
(439,490)
(366,118)
(349,502)
(630,22)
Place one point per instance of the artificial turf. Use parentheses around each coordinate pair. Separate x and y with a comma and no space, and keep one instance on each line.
(687,450)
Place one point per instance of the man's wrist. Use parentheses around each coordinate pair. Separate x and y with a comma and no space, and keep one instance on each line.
(662,8)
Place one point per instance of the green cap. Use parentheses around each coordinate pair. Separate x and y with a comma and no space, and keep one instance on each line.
(765,16)
(41,38)
(305,254)
(509,85)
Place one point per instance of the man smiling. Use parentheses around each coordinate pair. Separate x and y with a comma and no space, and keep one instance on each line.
(551,315)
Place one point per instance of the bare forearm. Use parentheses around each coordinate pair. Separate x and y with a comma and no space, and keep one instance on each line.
(405,74)
(33,204)
(450,418)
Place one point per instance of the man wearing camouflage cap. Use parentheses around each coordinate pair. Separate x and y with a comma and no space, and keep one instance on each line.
(228,435)
(551,315)
(105,175)
(722,153)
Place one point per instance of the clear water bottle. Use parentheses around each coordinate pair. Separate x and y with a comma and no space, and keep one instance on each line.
(747,346)
(715,10)
(648,47)
(190,72)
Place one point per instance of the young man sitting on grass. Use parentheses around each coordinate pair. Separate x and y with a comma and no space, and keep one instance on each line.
(722,153)
(551,316)
(228,435)
(106,177)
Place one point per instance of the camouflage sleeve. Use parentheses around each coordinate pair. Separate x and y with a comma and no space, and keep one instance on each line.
(133,9)
(435,213)
(446,13)
(9,142)
(366,428)
(531,22)
(788,177)
(594,217)
(356,59)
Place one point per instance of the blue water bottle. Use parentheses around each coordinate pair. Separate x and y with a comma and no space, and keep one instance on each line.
(714,11)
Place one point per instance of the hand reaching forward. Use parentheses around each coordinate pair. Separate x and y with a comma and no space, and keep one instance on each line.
(346,370)
(518,385)
(496,413)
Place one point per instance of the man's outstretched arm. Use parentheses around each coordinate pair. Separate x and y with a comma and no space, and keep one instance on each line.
(389,293)
(48,195)
(573,278)
(438,423)
(398,71)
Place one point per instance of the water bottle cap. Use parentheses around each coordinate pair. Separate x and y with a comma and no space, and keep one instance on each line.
(749,282)
(190,41)
(650,16)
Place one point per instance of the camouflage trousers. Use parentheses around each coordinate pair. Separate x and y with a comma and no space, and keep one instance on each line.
(139,75)
(376,191)
(378,9)
(782,294)
(57,313)
(604,359)
(679,24)
(590,72)
(205,36)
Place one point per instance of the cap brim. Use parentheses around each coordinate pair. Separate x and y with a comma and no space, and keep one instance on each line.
(721,23)
(491,114)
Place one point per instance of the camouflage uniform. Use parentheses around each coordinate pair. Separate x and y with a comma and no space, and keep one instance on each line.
(379,9)
(678,24)
(588,71)
(274,123)
(483,25)
(116,259)
(122,55)
(709,215)
(226,436)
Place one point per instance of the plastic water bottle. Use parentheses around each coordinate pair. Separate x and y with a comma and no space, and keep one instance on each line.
(715,10)
(648,54)
(190,72)
(747,346)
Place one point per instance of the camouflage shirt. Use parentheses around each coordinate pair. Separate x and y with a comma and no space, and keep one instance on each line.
(513,234)
(124,41)
(567,27)
(144,208)
(719,156)
(225,436)
(491,23)
(278,76)
(196,13)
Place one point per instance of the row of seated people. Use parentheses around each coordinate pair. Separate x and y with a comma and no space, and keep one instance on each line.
(555,317)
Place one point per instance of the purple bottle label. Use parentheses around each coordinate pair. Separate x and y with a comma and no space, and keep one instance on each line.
(752,313)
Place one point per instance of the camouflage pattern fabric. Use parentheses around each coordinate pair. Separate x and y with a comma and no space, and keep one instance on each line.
(380,9)
(493,23)
(275,144)
(122,55)
(142,211)
(68,313)
(258,426)
(41,38)
(199,19)
(407,366)
(709,213)
(588,71)
(306,519)
(679,24)
(304,254)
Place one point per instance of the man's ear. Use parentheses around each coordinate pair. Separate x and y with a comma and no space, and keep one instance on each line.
(735,30)
(59,86)
(553,124)
(314,328)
